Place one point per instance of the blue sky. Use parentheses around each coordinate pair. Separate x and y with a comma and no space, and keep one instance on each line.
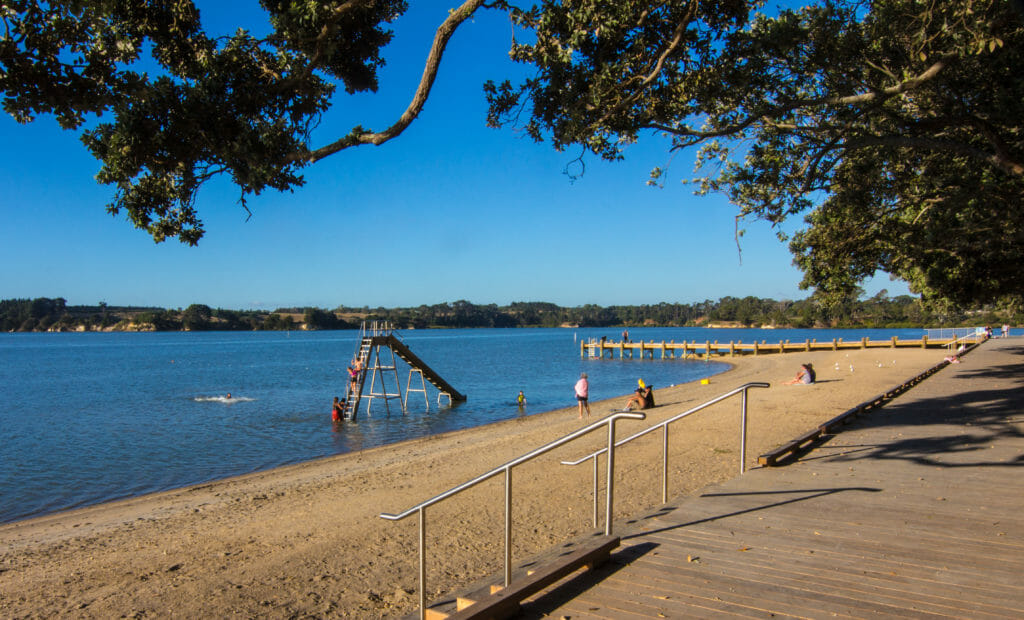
(450,210)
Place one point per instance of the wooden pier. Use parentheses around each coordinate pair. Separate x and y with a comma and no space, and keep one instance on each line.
(686,350)
(914,511)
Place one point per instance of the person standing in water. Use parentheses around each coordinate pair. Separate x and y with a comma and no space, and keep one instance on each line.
(582,394)
(521,399)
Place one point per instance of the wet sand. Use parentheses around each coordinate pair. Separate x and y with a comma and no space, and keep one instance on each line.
(306,540)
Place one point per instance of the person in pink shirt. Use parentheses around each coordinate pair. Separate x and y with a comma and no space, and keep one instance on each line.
(582,392)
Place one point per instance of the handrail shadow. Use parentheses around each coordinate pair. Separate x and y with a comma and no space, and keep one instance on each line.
(813,494)
(568,590)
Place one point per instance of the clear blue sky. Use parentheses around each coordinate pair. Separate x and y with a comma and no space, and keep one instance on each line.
(450,210)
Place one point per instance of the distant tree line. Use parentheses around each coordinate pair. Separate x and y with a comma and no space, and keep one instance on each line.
(877,311)
(45,314)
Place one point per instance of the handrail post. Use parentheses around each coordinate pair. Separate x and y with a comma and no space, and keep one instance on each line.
(610,482)
(508,526)
(664,465)
(596,465)
(423,563)
(743,434)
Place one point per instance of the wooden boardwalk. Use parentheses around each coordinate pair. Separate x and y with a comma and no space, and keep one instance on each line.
(914,511)
(601,348)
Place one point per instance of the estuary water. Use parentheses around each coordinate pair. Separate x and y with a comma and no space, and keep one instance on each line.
(91,417)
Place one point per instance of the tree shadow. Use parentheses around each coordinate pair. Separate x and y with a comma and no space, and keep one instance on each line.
(985,415)
(1011,371)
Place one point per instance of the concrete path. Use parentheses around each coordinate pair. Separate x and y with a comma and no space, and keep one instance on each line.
(916,511)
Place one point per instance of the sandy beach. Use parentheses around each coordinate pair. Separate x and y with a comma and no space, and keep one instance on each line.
(306,540)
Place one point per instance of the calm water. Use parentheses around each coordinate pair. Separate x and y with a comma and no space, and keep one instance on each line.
(86,418)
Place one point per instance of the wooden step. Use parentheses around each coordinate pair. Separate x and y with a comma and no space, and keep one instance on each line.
(497,602)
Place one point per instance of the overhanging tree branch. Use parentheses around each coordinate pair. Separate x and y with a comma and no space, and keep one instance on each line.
(769,115)
(359,136)
(677,38)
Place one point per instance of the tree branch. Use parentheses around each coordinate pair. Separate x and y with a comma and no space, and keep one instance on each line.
(782,109)
(677,37)
(1003,163)
(358,136)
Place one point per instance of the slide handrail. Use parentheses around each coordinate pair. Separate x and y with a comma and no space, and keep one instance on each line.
(664,448)
(420,508)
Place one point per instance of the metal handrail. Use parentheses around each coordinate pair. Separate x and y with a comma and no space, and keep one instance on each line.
(507,470)
(664,443)
(973,337)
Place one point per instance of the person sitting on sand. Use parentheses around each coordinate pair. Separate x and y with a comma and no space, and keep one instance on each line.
(806,376)
(643,398)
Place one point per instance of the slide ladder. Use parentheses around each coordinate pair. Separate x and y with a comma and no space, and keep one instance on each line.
(371,339)
(354,391)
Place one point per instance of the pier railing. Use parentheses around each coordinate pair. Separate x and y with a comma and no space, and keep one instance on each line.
(743,389)
(506,469)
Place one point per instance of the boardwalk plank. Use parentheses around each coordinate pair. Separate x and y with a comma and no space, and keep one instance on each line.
(767,597)
(822,565)
(826,577)
(965,556)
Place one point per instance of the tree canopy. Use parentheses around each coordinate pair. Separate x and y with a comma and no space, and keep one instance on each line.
(894,127)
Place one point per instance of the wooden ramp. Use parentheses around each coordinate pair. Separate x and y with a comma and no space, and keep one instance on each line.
(915,511)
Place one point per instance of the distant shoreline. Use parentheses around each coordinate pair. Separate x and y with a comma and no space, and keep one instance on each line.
(903,312)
